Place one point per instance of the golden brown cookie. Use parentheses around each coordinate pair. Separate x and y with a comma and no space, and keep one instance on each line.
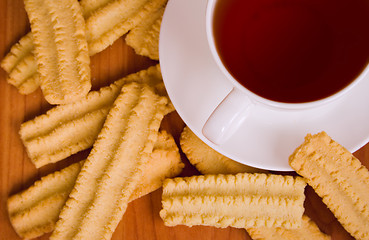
(207,160)
(338,178)
(144,38)
(115,165)
(243,200)
(308,230)
(70,128)
(60,48)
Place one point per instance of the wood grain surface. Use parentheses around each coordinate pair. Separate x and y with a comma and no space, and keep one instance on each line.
(141,220)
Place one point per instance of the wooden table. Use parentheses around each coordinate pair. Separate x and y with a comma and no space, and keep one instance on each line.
(141,220)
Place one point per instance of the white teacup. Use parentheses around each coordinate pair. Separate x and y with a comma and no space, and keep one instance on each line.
(235,108)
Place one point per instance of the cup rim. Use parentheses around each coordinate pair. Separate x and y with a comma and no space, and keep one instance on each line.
(257,98)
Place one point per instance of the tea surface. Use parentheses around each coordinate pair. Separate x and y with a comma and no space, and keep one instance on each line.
(293,50)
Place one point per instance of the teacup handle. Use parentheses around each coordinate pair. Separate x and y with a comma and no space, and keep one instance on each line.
(227,117)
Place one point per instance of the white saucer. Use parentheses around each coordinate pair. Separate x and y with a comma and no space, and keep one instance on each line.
(267,138)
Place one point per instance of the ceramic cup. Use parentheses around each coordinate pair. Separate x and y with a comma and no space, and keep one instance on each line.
(235,108)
